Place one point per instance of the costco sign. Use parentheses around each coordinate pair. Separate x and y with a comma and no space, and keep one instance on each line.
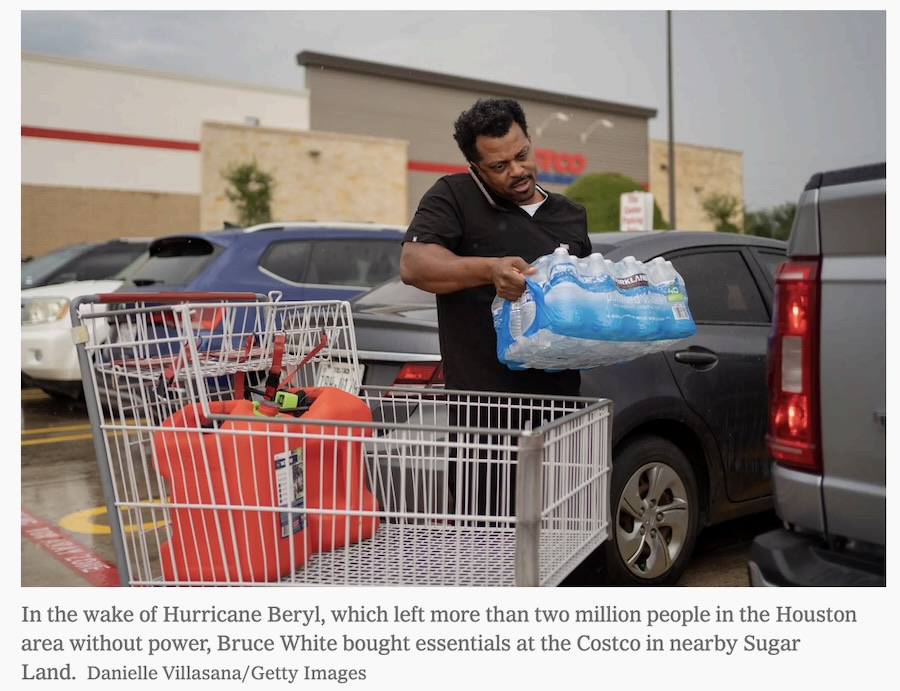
(558,167)
(550,161)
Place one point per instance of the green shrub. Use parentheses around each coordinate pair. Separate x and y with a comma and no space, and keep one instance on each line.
(250,191)
(600,194)
(721,210)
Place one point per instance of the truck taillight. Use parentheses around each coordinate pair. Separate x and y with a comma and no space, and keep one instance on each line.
(427,374)
(793,368)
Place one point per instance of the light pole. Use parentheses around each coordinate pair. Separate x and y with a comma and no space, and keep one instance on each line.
(671,121)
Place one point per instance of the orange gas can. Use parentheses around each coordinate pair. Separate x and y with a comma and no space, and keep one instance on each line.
(246,471)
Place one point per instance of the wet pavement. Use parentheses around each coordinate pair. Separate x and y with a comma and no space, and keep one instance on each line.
(60,479)
(66,541)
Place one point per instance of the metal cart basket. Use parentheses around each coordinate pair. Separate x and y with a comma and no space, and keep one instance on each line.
(236,446)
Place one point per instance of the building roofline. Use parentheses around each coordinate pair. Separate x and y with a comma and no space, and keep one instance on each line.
(48,58)
(309,58)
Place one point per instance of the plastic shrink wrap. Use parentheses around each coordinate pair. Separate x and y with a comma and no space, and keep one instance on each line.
(579,313)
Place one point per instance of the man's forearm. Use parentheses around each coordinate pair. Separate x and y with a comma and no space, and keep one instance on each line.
(448,273)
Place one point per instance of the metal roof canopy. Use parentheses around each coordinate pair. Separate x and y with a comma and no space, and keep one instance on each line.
(308,58)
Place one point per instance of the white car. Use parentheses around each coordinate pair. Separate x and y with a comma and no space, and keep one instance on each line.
(49,356)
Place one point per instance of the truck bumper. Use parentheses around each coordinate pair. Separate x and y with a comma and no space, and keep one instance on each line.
(781,558)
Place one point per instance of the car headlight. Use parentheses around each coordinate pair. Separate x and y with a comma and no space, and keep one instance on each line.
(44,310)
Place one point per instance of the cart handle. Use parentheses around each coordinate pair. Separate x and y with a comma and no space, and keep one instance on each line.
(187,296)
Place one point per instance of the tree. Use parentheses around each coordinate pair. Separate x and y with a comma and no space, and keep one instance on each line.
(721,209)
(771,223)
(600,195)
(250,191)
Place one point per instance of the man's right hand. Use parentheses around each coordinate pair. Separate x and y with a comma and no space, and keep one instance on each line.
(509,276)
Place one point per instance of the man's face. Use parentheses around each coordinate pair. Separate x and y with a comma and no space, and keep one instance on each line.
(508,167)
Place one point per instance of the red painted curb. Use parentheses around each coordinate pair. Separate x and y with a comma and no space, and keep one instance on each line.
(87,564)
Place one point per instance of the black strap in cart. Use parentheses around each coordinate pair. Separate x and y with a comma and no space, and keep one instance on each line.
(294,400)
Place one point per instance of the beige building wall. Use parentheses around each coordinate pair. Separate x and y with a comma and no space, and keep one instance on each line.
(318,175)
(700,171)
(57,216)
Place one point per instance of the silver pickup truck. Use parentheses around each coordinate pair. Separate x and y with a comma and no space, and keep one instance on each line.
(827,390)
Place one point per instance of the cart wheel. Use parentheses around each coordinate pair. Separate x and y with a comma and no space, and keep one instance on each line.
(655,510)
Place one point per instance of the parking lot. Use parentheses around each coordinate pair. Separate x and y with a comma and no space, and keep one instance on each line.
(66,540)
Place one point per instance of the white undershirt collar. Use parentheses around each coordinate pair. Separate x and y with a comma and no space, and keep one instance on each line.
(531,208)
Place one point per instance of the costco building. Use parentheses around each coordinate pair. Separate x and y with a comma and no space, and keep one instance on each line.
(110,151)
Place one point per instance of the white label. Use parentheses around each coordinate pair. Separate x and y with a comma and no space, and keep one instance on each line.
(290,483)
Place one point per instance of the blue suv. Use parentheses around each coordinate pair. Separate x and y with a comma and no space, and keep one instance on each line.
(301,260)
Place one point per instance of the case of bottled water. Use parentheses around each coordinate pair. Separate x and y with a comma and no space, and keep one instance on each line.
(579,313)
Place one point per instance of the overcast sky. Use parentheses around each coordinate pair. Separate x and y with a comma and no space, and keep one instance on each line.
(794,91)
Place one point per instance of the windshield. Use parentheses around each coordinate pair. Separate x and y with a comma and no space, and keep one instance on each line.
(35,271)
(173,261)
(395,292)
(125,273)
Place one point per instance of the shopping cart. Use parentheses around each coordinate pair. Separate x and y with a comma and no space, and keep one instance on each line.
(236,446)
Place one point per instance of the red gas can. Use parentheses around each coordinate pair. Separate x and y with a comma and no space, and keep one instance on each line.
(246,473)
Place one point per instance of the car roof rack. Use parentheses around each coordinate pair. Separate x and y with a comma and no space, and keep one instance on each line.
(340,225)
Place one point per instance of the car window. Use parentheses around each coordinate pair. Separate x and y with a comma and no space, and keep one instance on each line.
(103,261)
(37,271)
(125,272)
(770,260)
(394,293)
(174,261)
(720,287)
(355,262)
(287,259)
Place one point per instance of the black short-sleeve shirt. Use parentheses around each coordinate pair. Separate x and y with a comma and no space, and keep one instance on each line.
(457,213)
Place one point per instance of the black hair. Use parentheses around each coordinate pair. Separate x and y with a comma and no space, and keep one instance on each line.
(489,117)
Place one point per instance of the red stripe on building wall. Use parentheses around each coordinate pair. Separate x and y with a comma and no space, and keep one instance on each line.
(97,138)
(75,136)
(428,167)
(94,569)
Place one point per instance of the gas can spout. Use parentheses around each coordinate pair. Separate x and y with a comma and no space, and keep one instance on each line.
(267,409)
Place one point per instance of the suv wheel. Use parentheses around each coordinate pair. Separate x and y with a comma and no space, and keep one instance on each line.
(654,513)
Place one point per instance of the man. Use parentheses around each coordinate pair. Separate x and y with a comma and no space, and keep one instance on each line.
(473,237)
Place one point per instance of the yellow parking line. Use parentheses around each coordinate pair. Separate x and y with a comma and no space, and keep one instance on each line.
(83,522)
(54,440)
(51,430)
